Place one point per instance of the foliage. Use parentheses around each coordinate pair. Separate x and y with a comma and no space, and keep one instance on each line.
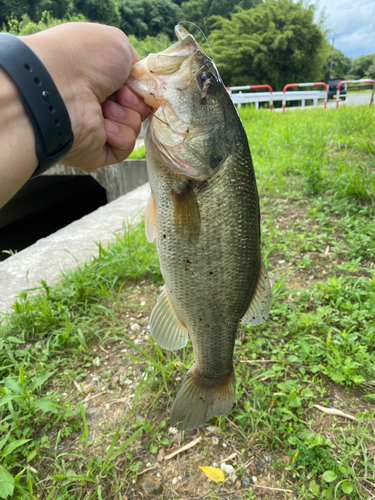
(150,44)
(98,11)
(363,67)
(277,42)
(144,18)
(27,27)
(200,12)
(341,65)
(10,9)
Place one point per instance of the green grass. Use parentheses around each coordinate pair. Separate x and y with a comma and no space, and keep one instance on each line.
(315,173)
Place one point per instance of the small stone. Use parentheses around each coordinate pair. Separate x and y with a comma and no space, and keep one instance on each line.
(212,428)
(143,303)
(225,445)
(228,469)
(267,457)
(174,480)
(140,418)
(88,388)
(148,464)
(254,479)
(158,474)
(237,484)
(94,414)
(135,327)
(151,487)
(245,482)
(107,406)
(215,440)
(215,464)
(173,431)
(96,361)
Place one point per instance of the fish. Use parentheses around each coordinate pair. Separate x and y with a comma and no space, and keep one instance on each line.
(204,213)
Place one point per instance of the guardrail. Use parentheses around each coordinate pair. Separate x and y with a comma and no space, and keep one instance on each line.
(311,84)
(245,87)
(355,81)
(258,97)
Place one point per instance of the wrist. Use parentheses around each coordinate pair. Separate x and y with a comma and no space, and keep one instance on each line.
(17,140)
(53,58)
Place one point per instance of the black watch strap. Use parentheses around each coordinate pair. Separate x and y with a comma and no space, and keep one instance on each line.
(43,103)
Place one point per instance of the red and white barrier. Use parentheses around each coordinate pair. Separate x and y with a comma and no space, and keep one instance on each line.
(314,84)
(246,87)
(355,81)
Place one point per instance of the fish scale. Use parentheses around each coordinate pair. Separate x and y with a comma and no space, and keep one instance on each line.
(204,213)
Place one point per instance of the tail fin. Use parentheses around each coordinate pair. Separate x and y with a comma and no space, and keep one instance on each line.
(196,401)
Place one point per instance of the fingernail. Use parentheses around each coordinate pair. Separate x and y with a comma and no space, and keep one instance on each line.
(130,97)
(111,127)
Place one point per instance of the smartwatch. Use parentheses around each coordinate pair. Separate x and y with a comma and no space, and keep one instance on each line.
(42,101)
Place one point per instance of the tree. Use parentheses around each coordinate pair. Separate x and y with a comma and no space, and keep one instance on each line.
(16,9)
(201,11)
(363,67)
(277,42)
(102,11)
(148,17)
(341,65)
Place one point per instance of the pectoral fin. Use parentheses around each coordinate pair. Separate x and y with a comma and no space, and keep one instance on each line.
(166,329)
(187,220)
(260,304)
(150,219)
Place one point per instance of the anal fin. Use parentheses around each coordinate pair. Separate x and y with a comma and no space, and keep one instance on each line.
(150,219)
(260,304)
(166,329)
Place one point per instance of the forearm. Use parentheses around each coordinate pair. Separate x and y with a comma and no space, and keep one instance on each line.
(17,141)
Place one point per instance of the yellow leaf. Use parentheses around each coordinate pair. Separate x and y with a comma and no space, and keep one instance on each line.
(213,473)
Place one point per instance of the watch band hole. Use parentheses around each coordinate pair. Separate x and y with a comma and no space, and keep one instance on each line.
(37,81)
(59,135)
(57,123)
(52,109)
(28,67)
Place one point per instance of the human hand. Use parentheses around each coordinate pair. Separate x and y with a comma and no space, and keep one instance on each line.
(89,64)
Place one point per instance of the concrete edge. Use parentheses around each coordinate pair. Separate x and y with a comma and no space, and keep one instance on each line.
(68,247)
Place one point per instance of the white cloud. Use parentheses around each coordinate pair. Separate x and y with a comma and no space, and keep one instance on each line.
(351,23)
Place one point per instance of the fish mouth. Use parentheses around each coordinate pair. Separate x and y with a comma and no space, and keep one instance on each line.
(162,80)
(151,76)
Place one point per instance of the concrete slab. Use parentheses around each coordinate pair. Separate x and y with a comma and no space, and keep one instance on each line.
(69,246)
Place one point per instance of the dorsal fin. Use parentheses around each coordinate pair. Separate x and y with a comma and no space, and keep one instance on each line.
(260,304)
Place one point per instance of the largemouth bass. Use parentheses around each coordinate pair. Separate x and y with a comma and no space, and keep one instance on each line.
(204,214)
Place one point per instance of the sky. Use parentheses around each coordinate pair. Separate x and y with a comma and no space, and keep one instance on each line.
(351,23)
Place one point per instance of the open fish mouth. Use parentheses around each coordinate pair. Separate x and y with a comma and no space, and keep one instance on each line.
(170,69)
(164,81)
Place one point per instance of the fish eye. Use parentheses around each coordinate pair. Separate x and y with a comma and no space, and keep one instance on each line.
(208,80)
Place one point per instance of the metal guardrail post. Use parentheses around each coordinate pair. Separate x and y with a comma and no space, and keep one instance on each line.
(312,84)
(355,81)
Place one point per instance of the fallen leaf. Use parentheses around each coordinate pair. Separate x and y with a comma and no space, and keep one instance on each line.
(213,473)
(160,455)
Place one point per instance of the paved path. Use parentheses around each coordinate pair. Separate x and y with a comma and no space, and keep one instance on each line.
(69,246)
